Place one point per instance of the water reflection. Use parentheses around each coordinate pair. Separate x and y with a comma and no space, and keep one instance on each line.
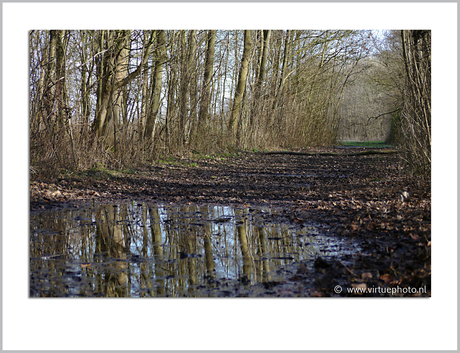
(139,249)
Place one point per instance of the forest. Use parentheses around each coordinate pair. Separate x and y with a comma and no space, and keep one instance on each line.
(119,99)
(230,163)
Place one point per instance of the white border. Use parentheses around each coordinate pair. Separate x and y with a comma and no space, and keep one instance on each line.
(423,324)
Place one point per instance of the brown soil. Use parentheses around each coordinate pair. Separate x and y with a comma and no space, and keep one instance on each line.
(366,196)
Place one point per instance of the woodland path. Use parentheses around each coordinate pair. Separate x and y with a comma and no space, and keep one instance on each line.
(352,194)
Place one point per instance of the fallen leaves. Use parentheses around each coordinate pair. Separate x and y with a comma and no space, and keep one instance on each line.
(366,275)
(356,197)
(386,278)
(414,236)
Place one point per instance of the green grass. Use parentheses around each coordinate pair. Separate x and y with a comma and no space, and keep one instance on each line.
(101,171)
(177,162)
(374,144)
(215,156)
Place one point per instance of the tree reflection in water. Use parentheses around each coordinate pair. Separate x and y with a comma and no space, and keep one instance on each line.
(148,250)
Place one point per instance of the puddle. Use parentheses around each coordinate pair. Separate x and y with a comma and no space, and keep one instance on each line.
(149,250)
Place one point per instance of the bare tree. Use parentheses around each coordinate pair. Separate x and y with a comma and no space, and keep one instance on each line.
(207,79)
(241,85)
(107,97)
(154,107)
(113,74)
(416,124)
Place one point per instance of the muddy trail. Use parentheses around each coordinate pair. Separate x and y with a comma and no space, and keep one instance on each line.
(360,201)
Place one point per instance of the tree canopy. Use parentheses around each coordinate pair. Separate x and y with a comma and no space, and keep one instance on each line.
(127,97)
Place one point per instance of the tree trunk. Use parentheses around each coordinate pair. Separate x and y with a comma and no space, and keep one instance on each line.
(160,56)
(277,116)
(146,95)
(112,76)
(85,80)
(416,122)
(118,114)
(261,74)
(257,105)
(192,86)
(207,79)
(241,86)
(55,78)
(61,94)
(183,89)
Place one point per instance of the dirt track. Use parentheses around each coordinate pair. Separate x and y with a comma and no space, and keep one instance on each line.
(365,196)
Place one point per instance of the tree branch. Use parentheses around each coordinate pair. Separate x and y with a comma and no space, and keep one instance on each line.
(134,74)
(378,116)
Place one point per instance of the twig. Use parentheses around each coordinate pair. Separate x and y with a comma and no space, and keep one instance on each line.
(354,274)
(378,116)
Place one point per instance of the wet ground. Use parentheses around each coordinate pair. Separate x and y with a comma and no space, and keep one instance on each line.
(253,225)
(141,249)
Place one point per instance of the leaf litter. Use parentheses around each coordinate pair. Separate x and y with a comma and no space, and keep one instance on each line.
(365,197)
